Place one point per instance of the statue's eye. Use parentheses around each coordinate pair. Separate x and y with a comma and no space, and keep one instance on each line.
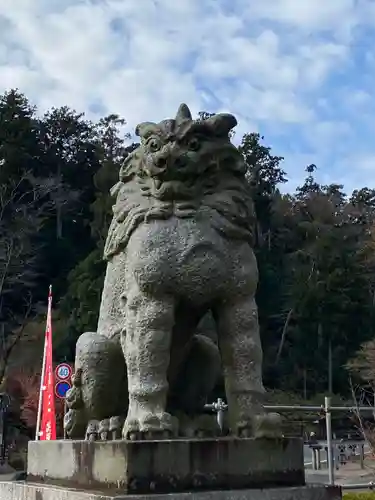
(194,144)
(154,144)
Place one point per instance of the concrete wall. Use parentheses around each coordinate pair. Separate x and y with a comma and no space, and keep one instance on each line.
(161,466)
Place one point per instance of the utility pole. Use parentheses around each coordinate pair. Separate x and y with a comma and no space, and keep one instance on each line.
(327,408)
(330,368)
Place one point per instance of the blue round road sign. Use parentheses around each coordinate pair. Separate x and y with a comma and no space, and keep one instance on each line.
(62,388)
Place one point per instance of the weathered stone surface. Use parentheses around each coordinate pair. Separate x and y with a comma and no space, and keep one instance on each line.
(179,246)
(24,491)
(168,466)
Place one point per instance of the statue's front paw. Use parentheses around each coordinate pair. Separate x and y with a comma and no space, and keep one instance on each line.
(267,425)
(206,426)
(200,426)
(261,425)
(149,426)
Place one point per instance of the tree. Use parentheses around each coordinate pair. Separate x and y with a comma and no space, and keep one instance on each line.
(25,201)
(328,288)
(85,282)
(111,151)
(362,365)
(70,146)
(315,247)
(265,174)
(23,386)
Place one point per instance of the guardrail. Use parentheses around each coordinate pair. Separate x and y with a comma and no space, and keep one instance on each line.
(367,486)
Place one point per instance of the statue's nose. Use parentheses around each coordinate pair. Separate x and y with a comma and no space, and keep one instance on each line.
(161,162)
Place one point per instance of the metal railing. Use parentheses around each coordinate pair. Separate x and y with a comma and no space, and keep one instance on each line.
(220,407)
(359,486)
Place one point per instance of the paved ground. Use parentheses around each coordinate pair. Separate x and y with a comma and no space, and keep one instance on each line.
(351,473)
(348,474)
(307,455)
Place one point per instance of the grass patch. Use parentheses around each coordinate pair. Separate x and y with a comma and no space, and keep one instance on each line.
(359,496)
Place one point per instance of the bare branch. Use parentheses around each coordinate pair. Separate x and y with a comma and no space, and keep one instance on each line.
(367,431)
(14,338)
(283,336)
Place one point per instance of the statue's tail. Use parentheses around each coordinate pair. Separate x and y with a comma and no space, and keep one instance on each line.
(75,424)
(75,420)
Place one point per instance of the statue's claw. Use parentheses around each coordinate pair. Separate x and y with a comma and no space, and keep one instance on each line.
(103,430)
(115,427)
(149,427)
(92,431)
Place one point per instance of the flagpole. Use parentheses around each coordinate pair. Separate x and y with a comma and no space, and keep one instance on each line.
(42,387)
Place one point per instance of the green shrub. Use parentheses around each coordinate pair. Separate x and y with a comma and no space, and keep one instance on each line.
(359,496)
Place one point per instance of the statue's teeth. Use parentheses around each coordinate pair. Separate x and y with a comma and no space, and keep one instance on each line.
(157,183)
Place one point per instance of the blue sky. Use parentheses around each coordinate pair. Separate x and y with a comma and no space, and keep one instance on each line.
(301,72)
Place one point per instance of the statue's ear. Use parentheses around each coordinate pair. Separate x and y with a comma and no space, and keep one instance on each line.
(145,129)
(221,124)
(183,114)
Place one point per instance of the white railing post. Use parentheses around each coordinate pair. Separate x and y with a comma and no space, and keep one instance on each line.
(328,415)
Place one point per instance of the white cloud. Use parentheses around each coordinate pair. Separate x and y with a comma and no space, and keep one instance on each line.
(338,17)
(270,63)
(365,162)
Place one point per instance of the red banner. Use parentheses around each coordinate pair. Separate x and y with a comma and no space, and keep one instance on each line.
(48,420)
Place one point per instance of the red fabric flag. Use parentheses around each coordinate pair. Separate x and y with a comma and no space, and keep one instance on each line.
(48,420)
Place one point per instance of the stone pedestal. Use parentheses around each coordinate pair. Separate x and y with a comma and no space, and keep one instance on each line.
(24,491)
(144,467)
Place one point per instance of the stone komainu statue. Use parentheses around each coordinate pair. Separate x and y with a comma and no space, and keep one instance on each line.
(179,245)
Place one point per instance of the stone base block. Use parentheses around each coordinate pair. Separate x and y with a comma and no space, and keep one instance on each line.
(168,466)
(24,491)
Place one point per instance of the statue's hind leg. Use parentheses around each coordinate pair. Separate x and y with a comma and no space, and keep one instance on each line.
(146,345)
(199,375)
(241,352)
(99,383)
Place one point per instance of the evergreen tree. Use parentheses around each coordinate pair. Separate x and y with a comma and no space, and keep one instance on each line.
(315,247)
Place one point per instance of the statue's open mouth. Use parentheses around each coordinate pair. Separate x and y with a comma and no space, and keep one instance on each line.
(169,189)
